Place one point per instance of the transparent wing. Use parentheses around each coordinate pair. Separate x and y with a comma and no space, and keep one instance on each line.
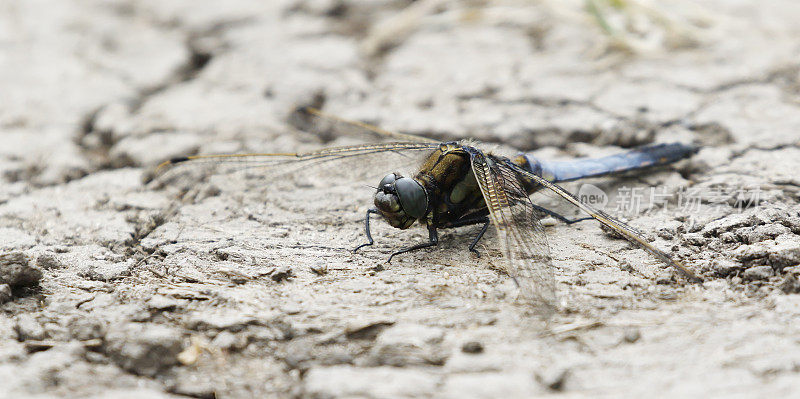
(374,130)
(353,163)
(519,231)
(611,222)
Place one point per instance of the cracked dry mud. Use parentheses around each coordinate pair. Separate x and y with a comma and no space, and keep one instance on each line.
(247,288)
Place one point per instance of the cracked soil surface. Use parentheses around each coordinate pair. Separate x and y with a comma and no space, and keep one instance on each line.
(245,287)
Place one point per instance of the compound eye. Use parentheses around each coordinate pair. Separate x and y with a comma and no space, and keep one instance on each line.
(388,179)
(413,197)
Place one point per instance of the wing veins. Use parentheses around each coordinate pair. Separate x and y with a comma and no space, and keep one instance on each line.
(277,159)
(611,222)
(517,226)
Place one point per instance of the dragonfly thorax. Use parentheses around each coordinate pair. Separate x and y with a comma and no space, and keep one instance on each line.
(401,200)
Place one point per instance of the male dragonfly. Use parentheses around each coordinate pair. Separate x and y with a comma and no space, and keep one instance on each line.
(459,184)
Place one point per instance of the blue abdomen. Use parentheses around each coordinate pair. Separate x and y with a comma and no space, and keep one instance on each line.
(642,157)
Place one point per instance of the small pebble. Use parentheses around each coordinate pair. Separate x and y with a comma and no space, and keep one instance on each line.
(86,328)
(191,354)
(472,347)
(790,285)
(728,237)
(281,273)
(162,302)
(726,267)
(193,387)
(668,295)
(49,261)
(28,327)
(695,239)
(291,309)
(106,271)
(143,348)
(5,293)
(758,273)
(664,278)
(786,251)
(16,270)
(553,379)
(320,269)
(764,232)
(631,335)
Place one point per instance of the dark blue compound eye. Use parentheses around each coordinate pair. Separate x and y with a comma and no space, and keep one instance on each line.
(388,179)
(413,197)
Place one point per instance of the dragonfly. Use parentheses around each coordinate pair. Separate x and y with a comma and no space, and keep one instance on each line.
(461,183)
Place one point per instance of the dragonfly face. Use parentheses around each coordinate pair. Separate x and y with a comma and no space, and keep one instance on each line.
(401,200)
(444,190)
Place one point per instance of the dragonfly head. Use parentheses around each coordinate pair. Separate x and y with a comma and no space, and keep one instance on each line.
(401,200)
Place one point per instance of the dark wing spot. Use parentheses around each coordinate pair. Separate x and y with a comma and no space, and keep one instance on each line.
(178,160)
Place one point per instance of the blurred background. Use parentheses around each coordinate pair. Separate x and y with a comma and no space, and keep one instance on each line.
(89,85)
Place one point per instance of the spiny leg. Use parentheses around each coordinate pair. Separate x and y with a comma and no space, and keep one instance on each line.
(366,229)
(433,239)
(560,216)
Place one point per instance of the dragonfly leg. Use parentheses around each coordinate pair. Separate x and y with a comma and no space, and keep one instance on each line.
(471,221)
(560,216)
(478,238)
(433,239)
(366,229)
